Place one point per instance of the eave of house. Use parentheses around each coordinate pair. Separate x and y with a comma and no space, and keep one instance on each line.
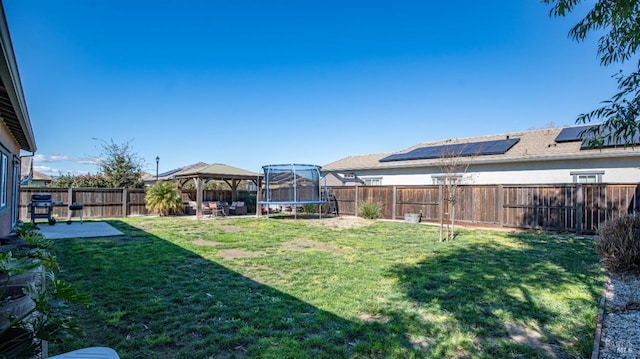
(13,107)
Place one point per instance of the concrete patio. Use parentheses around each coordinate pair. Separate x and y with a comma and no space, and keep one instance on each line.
(78,230)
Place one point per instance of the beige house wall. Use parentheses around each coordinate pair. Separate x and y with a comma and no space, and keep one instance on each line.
(613,170)
(12,149)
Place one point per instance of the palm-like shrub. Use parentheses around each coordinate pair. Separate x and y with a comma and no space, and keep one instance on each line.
(370,210)
(163,198)
(618,244)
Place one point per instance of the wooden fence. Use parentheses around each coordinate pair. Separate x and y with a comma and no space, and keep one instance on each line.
(106,202)
(570,207)
(97,202)
(567,207)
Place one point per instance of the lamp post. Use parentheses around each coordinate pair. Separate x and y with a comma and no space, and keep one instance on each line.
(157,164)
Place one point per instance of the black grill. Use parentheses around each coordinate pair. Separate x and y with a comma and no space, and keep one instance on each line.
(41,207)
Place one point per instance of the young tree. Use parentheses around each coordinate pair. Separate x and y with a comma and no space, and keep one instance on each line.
(120,165)
(618,23)
(453,166)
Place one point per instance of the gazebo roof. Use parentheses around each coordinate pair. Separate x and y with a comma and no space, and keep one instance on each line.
(218,171)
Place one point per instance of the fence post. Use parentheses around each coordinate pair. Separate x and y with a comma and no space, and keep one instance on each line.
(356,204)
(125,202)
(579,208)
(395,201)
(500,205)
(440,204)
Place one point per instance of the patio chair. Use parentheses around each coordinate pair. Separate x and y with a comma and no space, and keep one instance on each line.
(237,208)
(215,210)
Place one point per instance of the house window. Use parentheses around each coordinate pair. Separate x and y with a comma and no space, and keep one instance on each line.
(4,179)
(373,181)
(446,179)
(587,177)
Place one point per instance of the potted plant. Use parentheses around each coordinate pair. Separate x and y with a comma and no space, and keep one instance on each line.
(34,304)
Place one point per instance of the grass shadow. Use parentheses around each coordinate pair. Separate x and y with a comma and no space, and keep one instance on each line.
(504,300)
(154,299)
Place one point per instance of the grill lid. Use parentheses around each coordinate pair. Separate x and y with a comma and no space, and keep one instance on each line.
(40,198)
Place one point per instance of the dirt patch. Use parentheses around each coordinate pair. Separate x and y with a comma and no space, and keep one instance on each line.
(306,244)
(204,242)
(370,318)
(339,222)
(236,253)
(227,228)
(254,273)
(532,337)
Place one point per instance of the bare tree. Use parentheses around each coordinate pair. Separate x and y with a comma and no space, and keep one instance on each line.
(454,162)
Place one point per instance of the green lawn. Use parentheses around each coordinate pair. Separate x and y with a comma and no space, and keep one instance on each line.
(284,288)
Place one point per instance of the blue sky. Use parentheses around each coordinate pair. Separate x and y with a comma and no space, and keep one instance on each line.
(251,83)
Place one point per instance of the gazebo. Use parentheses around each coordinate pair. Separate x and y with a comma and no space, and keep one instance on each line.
(217,171)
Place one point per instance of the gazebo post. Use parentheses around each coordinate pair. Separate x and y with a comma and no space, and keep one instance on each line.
(199,195)
(259,198)
(234,189)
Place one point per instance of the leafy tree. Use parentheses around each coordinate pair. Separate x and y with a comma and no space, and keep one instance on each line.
(85,181)
(95,181)
(120,166)
(163,198)
(63,181)
(618,23)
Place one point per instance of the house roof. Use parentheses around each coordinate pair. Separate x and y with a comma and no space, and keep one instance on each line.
(534,145)
(169,175)
(39,176)
(218,171)
(13,106)
(187,168)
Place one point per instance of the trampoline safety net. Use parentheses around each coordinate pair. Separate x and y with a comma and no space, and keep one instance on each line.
(292,184)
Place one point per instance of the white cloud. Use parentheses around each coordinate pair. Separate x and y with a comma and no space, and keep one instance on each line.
(60,164)
(45,169)
(57,158)
(88,161)
(39,158)
(55,172)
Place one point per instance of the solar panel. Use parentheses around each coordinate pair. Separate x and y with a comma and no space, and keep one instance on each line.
(483,148)
(570,134)
(610,142)
(169,173)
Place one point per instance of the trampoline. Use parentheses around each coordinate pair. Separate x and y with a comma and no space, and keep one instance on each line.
(292,185)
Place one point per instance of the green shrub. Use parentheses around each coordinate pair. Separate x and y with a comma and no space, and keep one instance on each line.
(163,198)
(25,228)
(48,316)
(370,210)
(308,208)
(618,244)
(250,202)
